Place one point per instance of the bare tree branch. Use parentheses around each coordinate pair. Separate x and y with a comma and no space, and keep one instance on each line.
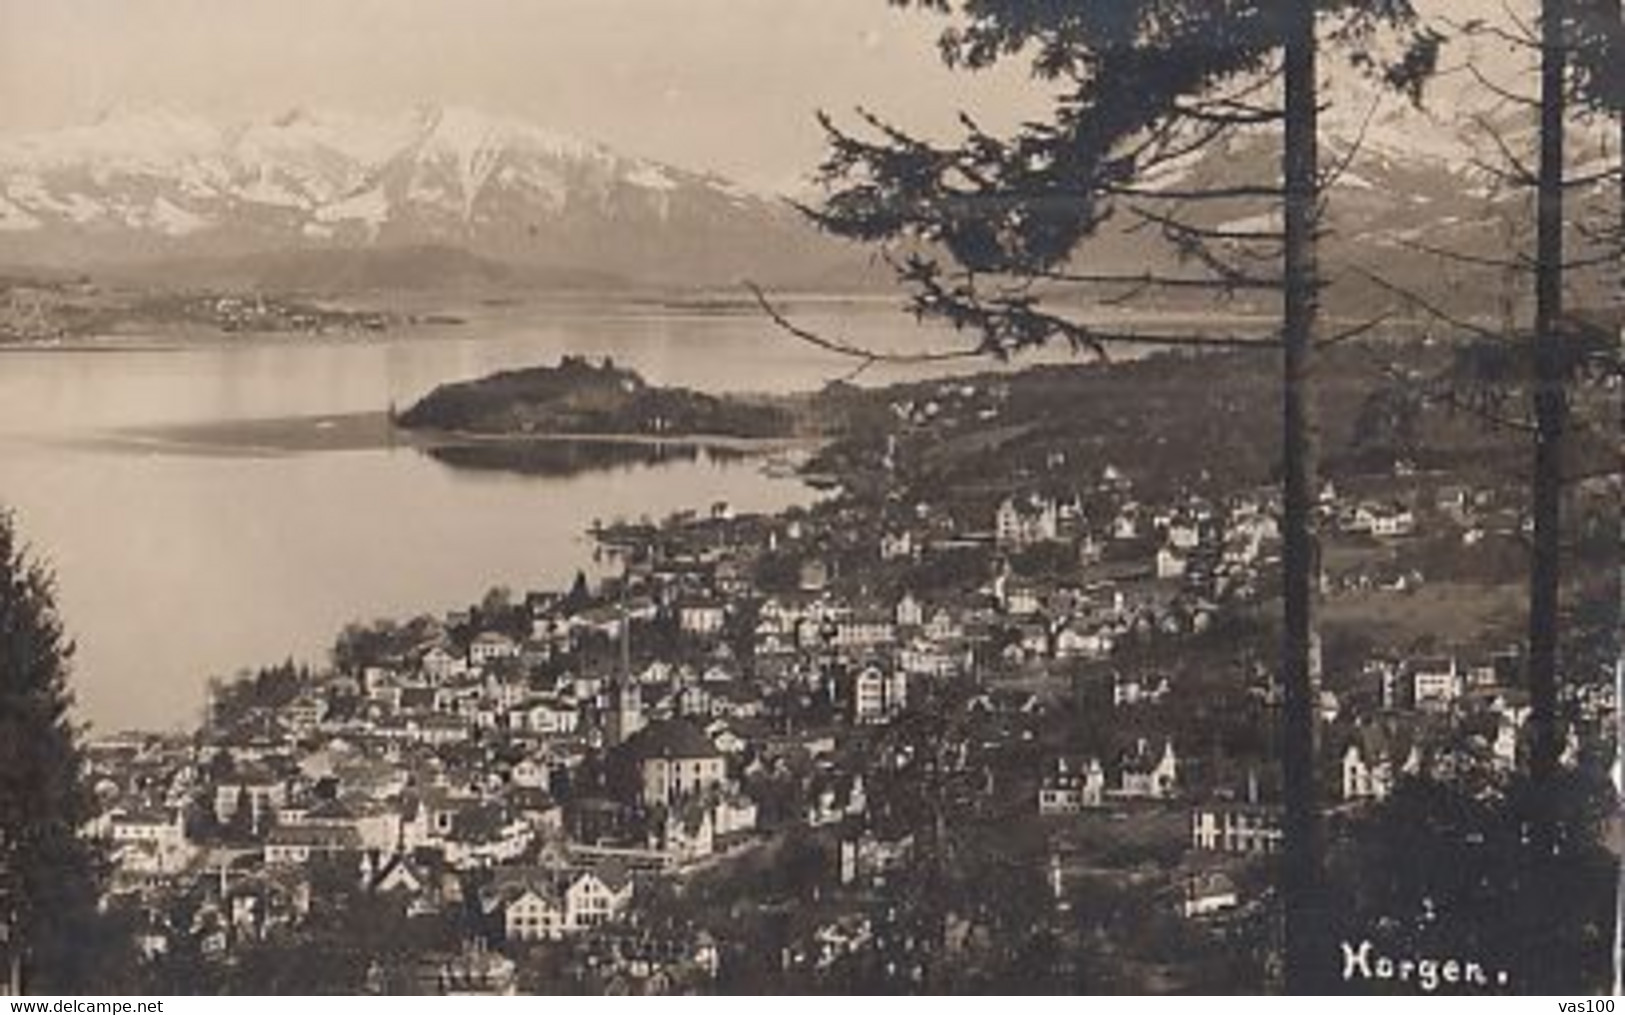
(1432,310)
(1079,335)
(1518,263)
(1500,91)
(1351,333)
(843,348)
(1175,226)
(1336,171)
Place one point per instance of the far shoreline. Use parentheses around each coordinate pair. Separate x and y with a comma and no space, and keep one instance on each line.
(375,431)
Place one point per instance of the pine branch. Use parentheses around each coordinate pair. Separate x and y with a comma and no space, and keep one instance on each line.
(1161,147)
(1174,226)
(1189,247)
(1148,280)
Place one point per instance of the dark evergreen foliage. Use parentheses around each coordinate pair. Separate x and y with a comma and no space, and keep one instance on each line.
(1448,869)
(979,227)
(50,873)
(1599,54)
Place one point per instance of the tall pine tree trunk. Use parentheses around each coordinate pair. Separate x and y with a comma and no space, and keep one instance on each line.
(1307,944)
(1616,12)
(1549,405)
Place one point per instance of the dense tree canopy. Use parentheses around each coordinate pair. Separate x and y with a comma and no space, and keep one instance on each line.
(1439,869)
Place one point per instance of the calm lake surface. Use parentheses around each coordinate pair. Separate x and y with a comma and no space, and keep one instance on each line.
(178,563)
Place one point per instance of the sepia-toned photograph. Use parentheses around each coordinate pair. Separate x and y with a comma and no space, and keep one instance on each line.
(803,497)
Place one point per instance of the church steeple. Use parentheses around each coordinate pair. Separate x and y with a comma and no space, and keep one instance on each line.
(625,710)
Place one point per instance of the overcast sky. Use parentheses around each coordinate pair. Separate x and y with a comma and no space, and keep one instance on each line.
(730,85)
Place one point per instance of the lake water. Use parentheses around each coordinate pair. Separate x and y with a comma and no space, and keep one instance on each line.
(175,564)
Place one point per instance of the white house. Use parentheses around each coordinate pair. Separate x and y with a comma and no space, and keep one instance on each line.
(1384,520)
(864,630)
(297,844)
(150,841)
(1150,777)
(1076,641)
(1018,597)
(547,904)
(440,663)
(897,545)
(490,646)
(1071,786)
(1184,535)
(596,896)
(262,793)
(688,833)
(910,612)
(1365,778)
(1171,563)
(878,695)
(1023,521)
(531,772)
(1131,690)
(733,814)
(1393,523)
(163,829)
(675,760)
(702,618)
(551,716)
(923,657)
(1207,894)
(1371,764)
(1241,828)
(1436,683)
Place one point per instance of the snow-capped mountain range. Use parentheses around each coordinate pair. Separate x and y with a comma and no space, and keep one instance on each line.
(154,184)
(442,193)
(1408,187)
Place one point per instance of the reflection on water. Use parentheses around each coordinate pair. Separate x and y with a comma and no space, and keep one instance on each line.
(565,457)
(194,531)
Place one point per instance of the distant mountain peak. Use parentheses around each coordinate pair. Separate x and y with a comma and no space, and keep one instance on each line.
(122,135)
(146,183)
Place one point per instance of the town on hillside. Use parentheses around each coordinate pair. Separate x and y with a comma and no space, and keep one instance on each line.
(1015,732)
